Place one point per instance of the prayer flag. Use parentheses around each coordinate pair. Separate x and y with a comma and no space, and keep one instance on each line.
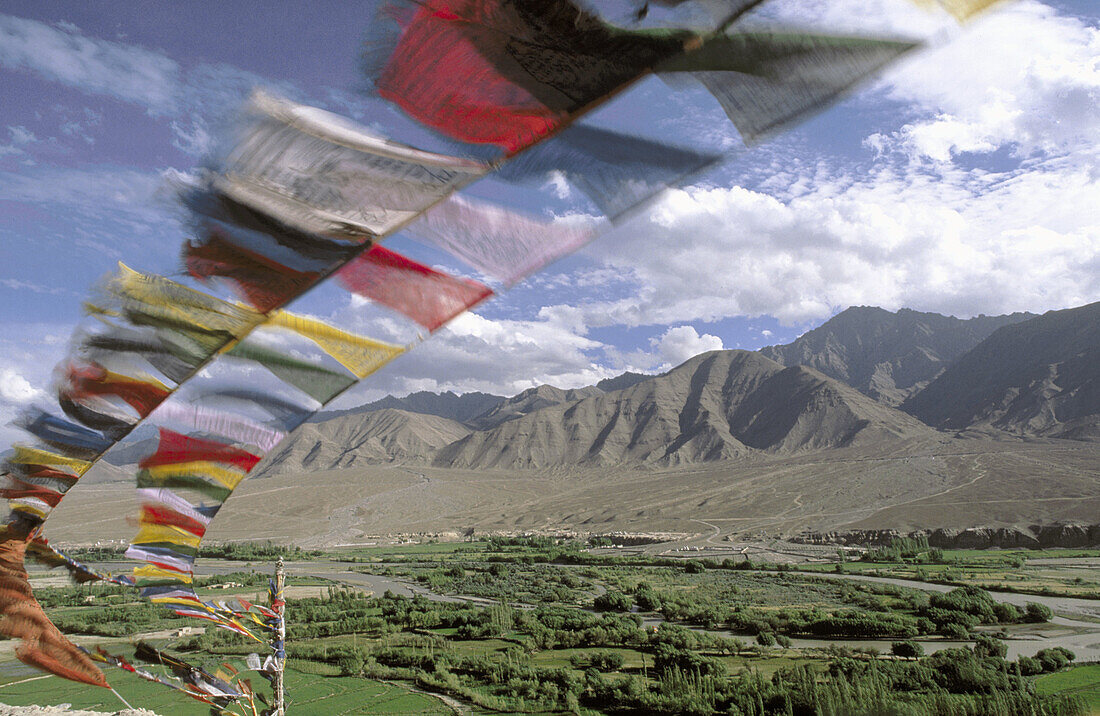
(423,294)
(93,380)
(317,381)
(153,515)
(232,427)
(174,448)
(62,435)
(319,173)
(361,355)
(21,617)
(616,171)
(508,73)
(502,243)
(766,81)
(265,284)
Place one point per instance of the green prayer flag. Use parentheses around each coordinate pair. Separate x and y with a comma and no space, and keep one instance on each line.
(214,491)
(318,382)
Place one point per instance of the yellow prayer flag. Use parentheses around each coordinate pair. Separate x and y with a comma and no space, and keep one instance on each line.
(176,302)
(359,354)
(150,571)
(962,10)
(194,603)
(33,456)
(226,476)
(41,512)
(166,533)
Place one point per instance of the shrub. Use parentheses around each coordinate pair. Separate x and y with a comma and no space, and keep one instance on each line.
(1038,612)
(612,602)
(954,631)
(1055,658)
(765,638)
(907,649)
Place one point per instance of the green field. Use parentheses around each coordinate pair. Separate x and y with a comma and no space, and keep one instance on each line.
(310,694)
(558,629)
(1083,681)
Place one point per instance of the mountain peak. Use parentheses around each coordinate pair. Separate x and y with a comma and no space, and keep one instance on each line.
(888,355)
(1036,377)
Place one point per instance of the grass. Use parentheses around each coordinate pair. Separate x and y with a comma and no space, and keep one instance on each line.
(308,694)
(1083,681)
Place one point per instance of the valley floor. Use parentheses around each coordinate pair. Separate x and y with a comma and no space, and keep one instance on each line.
(949,483)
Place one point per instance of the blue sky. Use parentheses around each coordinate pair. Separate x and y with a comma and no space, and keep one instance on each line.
(964,180)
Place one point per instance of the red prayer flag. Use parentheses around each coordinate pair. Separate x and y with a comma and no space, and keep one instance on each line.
(423,294)
(92,379)
(21,617)
(26,489)
(439,76)
(159,515)
(262,282)
(175,448)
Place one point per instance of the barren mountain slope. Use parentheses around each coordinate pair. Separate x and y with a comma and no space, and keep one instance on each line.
(1040,377)
(362,438)
(445,405)
(888,356)
(716,406)
(529,401)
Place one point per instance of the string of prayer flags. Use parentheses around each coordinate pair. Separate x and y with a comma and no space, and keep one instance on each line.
(501,243)
(766,81)
(21,617)
(421,293)
(102,656)
(193,677)
(506,73)
(319,173)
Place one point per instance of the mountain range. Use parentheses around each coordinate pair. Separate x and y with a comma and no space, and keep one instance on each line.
(874,421)
(866,377)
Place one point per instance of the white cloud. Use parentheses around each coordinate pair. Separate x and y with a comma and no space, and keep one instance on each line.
(956,242)
(682,342)
(14,388)
(473,352)
(20,138)
(1023,76)
(61,54)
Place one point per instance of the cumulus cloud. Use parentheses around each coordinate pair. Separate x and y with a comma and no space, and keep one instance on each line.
(682,342)
(14,388)
(961,242)
(1023,76)
(473,352)
(62,54)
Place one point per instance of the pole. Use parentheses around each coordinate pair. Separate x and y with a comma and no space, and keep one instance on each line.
(278,605)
